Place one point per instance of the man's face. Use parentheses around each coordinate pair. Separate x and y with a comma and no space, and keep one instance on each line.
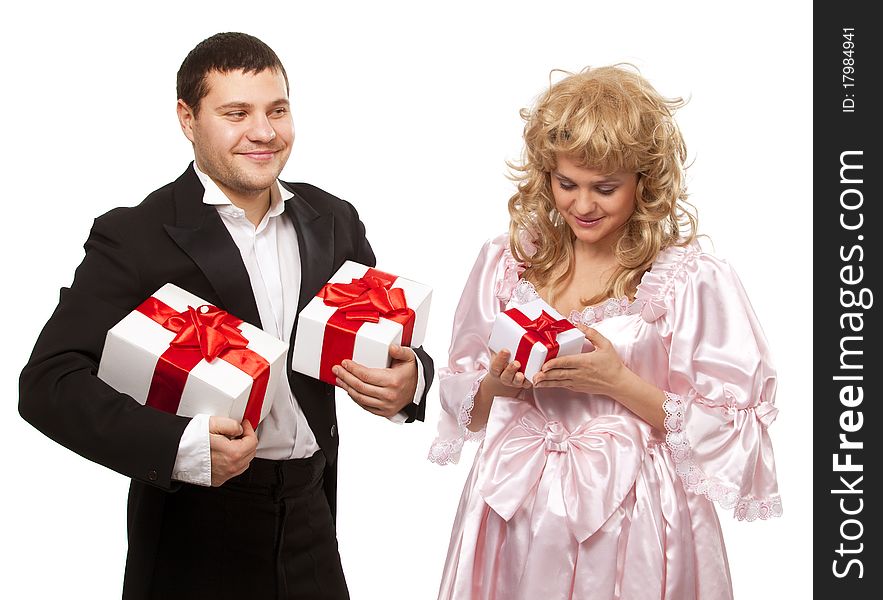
(243,133)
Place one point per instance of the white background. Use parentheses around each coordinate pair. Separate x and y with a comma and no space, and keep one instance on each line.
(409,111)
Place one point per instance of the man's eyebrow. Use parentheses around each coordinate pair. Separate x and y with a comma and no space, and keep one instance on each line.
(241,105)
(234,105)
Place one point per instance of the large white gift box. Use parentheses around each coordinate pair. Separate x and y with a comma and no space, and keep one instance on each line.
(534,333)
(357,315)
(179,354)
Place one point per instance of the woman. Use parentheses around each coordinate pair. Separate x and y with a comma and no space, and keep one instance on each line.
(597,479)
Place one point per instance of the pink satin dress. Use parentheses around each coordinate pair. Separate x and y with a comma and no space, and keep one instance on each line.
(571,496)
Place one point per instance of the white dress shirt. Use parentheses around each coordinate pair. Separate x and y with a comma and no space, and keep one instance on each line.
(270,254)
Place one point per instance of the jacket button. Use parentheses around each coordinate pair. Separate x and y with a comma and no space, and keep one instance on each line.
(333,430)
(152,475)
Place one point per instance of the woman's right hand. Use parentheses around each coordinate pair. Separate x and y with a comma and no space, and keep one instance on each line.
(502,379)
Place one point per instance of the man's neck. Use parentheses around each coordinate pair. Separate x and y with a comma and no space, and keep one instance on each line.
(255,205)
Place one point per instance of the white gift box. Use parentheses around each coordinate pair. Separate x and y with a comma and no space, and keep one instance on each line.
(508,334)
(372,340)
(133,347)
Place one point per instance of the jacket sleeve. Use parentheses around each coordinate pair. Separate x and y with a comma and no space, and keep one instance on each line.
(59,392)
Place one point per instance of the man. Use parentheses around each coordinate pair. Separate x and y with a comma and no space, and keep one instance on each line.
(217,510)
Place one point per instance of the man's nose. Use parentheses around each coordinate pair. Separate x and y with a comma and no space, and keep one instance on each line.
(261,129)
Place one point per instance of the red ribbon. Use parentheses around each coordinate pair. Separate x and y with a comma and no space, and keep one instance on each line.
(206,333)
(363,300)
(544,330)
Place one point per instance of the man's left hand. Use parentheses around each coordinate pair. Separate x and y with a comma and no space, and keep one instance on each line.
(384,392)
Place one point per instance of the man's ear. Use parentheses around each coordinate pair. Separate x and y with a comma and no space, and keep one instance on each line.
(186,119)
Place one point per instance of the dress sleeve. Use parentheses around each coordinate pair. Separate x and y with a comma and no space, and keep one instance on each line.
(722,386)
(487,290)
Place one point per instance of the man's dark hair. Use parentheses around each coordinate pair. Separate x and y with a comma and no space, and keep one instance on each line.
(223,52)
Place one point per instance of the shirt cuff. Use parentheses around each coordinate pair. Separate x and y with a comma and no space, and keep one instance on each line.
(193,463)
(402,417)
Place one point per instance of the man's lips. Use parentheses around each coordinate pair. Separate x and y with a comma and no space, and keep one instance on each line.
(259,154)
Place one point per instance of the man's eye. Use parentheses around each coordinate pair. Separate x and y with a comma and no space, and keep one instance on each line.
(236,114)
(280,111)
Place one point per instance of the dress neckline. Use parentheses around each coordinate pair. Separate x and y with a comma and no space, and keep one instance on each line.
(525,291)
(652,295)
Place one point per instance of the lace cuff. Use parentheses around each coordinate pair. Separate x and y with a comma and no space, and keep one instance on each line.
(746,507)
(447,451)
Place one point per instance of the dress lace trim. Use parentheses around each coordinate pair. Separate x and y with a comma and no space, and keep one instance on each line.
(746,508)
(511,277)
(656,287)
(651,298)
(444,452)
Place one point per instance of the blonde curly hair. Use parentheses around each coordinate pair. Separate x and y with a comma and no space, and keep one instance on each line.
(610,119)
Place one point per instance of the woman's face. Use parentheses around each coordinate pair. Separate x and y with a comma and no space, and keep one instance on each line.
(595,206)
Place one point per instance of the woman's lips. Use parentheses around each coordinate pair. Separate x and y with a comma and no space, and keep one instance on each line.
(590,222)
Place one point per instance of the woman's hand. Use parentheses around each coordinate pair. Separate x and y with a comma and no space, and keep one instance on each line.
(599,371)
(502,379)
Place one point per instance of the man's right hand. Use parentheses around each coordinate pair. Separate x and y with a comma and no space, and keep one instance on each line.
(233,445)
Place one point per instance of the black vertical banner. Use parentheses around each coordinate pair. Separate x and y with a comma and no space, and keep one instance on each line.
(847,371)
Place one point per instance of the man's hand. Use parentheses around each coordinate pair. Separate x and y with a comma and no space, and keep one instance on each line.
(384,392)
(232,446)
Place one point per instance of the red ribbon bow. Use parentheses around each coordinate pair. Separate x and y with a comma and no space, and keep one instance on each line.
(367,299)
(544,330)
(363,300)
(206,328)
(206,333)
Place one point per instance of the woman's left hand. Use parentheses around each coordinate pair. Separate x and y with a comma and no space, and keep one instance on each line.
(596,372)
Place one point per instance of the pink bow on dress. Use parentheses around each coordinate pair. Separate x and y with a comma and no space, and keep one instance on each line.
(599,463)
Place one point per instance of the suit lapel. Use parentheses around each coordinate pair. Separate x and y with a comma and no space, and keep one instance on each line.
(201,234)
(315,234)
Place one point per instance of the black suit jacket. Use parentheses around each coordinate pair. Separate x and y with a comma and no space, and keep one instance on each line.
(131,252)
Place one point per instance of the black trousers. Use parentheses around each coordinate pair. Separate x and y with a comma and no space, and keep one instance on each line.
(266,534)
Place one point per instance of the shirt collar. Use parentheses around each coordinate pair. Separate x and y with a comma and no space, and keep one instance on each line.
(214,196)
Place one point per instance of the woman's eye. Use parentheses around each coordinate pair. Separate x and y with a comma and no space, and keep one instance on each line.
(566,185)
(606,191)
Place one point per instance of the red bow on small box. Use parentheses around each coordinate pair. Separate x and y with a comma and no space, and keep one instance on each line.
(206,333)
(544,330)
(363,300)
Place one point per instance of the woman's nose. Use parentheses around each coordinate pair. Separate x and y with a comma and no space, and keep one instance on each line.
(584,202)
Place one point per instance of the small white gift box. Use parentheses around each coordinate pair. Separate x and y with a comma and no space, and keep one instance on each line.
(534,333)
(357,315)
(179,354)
